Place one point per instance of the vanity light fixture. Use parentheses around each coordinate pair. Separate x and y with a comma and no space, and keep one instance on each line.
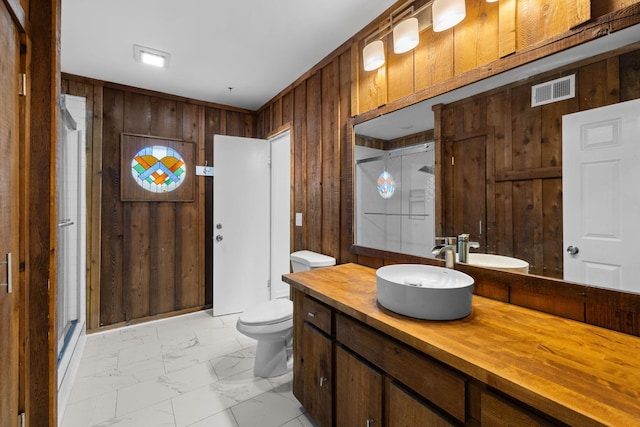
(492,1)
(406,35)
(447,13)
(373,54)
(149,56)
(439,14)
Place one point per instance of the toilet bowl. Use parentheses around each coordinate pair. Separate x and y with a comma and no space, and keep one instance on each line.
(271,322)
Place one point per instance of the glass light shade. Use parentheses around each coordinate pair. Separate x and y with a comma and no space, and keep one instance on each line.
(386,185)
(447,13)
(406,35)
(373,55)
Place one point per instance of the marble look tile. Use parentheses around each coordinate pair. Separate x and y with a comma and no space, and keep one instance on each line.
(90,411)
(142,395)
(234,363)
(88,387)
(267,409)
(221,419)
(177,358)
(158,415)
(138,353)
(190,378)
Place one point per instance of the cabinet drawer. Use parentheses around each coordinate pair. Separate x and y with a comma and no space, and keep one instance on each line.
(429,379)
(317,314)
(498,411)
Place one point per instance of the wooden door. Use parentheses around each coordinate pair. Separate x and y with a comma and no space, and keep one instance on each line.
(9,131)
(358,392)
(465,189)
(316,369)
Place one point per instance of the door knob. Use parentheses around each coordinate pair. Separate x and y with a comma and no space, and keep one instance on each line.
(573,250)
(219,238)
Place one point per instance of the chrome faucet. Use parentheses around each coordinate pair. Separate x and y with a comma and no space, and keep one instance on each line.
(448,248)
(463,247)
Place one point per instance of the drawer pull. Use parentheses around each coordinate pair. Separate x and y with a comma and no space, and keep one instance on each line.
(323,380)
(370,421)
(311,314)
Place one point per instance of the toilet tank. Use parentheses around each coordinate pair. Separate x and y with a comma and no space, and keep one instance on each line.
(307,260)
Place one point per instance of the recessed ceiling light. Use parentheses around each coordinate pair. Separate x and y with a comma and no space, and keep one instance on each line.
(149,56)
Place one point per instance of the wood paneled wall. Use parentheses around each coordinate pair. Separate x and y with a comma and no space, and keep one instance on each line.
(477,48)
(523,195)
(148,259)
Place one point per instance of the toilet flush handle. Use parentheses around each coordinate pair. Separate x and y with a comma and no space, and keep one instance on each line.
(219,238)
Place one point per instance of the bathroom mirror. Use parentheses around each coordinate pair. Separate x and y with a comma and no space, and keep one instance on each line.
(419,118)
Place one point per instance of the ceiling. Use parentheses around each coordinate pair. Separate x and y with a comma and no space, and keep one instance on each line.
(255,47)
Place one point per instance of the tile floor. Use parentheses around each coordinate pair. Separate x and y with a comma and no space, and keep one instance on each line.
(192,370)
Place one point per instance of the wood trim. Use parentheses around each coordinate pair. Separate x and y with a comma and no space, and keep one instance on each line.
(153,93)
(18,14)
(538,173)
(94,187)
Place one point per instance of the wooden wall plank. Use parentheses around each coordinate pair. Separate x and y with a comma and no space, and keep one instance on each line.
(629,75)
(400,72)
(506,27)
(346,136)
(476,38)
(112,229)
(330,154)
(300,160)
(313,150)
(164,251)
(433,59)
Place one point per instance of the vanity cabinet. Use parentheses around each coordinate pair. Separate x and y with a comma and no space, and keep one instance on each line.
(313,358)
(502,365)
(349,374)
(358,391)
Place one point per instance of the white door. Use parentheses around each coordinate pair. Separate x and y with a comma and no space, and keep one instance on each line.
(601,201)
(280,213)
(241,248)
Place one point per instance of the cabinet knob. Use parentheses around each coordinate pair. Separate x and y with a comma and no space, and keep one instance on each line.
(370,421)
(323,380)
(311,314)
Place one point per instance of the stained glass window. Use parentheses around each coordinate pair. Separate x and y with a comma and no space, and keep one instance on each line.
(158,169)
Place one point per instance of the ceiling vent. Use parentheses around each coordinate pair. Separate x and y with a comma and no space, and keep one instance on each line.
(554,90)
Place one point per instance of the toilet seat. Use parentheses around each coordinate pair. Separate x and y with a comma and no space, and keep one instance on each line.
(268,313)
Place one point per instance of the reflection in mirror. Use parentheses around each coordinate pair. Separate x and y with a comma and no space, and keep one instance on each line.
(418,117)
(395,198)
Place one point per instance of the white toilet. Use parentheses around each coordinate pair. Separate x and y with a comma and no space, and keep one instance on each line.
(271,322)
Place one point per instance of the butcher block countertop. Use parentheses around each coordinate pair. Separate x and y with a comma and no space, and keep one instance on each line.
(577,373)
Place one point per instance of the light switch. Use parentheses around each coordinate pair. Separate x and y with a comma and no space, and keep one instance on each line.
(298,219)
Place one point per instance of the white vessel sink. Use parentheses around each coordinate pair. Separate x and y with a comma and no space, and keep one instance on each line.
(425,291)
(499,262)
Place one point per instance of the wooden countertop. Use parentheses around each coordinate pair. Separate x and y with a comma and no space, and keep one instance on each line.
(577,373)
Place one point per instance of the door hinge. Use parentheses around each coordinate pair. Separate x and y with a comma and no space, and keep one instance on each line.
(22,84)
(268,283)
(22,419)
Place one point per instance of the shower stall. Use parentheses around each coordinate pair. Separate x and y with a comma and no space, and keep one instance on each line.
(394,199)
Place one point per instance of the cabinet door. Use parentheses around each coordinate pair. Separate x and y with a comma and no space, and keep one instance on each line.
(316,369)
(403,410)
(9,220)
(497,411)
(358,392)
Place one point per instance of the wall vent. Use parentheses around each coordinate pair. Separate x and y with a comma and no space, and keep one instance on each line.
(554,90)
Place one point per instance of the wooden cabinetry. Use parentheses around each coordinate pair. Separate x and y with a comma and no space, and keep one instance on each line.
(313,363)
(358,391)
(349,374)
